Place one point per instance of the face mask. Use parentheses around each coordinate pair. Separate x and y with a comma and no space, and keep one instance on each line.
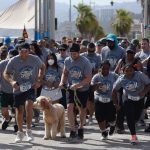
(50,62)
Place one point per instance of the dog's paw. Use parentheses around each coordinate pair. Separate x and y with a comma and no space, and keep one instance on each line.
(46,138)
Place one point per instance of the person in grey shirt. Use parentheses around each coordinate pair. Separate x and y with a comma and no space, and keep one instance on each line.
(78,72)
(24,72)
(112,51)
(135,85)
(6,93)
(95,60)
(102,84)
(63,54)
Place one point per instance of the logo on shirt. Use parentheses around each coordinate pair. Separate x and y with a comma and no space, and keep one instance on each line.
(75,74)
(26,73)
(104,87)
(131,86)
(51,76)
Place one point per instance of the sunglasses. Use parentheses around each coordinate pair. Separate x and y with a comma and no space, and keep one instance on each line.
(62,49)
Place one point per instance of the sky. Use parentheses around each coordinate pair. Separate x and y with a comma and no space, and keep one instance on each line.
(96,2)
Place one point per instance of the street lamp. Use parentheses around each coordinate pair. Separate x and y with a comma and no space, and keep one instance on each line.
(111,3)
(70,11)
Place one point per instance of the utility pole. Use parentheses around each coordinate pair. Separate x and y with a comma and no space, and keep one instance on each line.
(36,21)
(70,15)
(145,16)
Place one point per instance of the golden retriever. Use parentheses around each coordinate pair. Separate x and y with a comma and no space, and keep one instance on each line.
(53,116)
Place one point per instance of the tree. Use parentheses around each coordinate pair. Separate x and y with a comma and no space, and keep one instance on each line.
(122,22)
(86,21)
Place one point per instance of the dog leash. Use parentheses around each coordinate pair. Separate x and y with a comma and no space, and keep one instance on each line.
(76,99)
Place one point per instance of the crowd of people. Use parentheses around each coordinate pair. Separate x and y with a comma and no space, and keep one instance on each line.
(106,78)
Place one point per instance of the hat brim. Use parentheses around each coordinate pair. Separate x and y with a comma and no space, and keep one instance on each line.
(110,39)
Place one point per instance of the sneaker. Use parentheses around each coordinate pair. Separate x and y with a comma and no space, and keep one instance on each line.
(29,135)
(73,134)
(112,130)
(37,120)
(147,129)
(90,120)
(19,137)
(5,123)
(134,139)
(80,133)
(142,122)
(146,116)
(120,131)
(15,128)
(104,135)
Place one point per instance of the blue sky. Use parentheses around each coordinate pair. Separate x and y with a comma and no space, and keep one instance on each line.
(7,3)
(97,2)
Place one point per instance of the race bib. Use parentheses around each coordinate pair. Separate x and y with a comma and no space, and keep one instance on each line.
(25,87)
(104,99)
(134,98)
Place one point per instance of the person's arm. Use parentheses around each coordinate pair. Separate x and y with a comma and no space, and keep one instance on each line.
(41,72)
(115,99)
(118,67)
(9,79)
(40,77)
(64,77)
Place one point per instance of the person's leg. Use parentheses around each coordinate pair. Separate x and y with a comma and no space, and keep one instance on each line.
(129,109)
(100,117)
(90,105)
(19,117)
(82,112)
(29,113)
(70,114)
(111,117)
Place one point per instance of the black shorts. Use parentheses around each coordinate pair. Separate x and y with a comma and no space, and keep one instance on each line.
(105,111)
(19,99)
(80,100)
(7,99)
(91,94)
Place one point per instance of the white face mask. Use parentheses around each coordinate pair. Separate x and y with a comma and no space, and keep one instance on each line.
(51,62)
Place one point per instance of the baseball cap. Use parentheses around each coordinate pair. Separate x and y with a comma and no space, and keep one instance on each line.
(63,47)
(131,49)
(75,48)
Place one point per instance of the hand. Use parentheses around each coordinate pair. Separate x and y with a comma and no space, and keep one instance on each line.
(141,94)
(36,85)
(15,85)
(75,86)
(61,85)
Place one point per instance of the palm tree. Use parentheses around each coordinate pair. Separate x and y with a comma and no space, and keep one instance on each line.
(86,21)
(122,22)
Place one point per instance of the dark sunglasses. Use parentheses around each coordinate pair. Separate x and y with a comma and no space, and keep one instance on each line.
(62,49)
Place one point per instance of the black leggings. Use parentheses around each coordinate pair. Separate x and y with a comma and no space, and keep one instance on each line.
(133,110)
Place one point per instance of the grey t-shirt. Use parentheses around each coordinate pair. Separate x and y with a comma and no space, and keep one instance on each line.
(52,75)
(5,86)
(112,55)
(131,87)
(77,70)
(25,72)
(95,60)
(106,85)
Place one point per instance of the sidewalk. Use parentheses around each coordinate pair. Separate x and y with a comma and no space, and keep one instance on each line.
(91,141)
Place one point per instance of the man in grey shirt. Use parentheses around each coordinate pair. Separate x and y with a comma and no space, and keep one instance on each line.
(78,71)
(112,51)
(24,73)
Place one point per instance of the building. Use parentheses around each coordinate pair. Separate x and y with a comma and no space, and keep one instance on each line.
(105,17)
